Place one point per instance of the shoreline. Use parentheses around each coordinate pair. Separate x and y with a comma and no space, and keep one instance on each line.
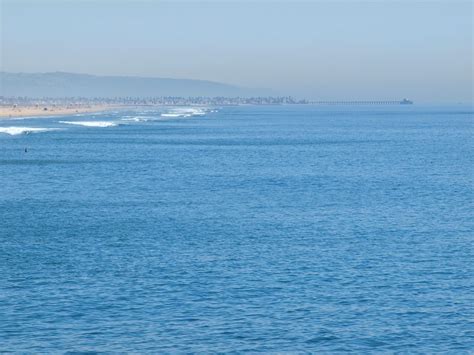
(13,112)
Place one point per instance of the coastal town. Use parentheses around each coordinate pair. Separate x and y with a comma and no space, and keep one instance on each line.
(26,106)
(144,101)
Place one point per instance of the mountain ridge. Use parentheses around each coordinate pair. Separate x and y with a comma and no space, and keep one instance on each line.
(67,84)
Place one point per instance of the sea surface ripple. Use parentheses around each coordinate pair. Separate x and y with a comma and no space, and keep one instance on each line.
(250,229)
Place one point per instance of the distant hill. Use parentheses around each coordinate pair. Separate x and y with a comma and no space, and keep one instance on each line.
(60,84)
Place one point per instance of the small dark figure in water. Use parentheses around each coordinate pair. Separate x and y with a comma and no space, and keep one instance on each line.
(26,150)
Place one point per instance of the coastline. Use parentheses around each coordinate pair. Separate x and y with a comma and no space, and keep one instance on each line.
(19,111)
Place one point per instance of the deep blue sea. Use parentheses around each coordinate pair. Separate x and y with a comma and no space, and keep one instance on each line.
(243,229)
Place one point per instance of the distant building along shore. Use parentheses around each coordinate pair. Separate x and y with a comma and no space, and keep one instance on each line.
(182,101)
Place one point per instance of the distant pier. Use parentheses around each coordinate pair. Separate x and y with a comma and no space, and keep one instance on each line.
(374,102)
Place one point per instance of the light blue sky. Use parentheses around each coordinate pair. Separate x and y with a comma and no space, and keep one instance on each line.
(317,49)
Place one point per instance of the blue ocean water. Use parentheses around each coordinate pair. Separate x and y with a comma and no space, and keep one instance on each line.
(274,229)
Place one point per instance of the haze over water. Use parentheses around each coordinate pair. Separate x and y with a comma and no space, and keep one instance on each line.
(314,49)
(280,228)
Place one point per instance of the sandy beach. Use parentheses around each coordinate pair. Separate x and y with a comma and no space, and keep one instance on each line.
(14,111)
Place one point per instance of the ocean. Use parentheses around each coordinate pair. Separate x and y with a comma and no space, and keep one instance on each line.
(238,229)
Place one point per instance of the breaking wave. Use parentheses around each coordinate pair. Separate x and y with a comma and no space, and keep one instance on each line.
(179,112)
(20,118)
(139,118)
(186,112)
(91,123)
(13,131)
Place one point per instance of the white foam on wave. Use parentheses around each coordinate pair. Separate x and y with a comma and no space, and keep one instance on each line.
(20,118)
(177,112)
(175,115)
(13,131)
(185,112)
(132,119)
(91,113)
(139,118)
(101,124)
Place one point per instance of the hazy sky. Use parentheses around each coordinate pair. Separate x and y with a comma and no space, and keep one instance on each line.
(317,49)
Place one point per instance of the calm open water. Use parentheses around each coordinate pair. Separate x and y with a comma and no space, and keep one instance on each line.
(288,228)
